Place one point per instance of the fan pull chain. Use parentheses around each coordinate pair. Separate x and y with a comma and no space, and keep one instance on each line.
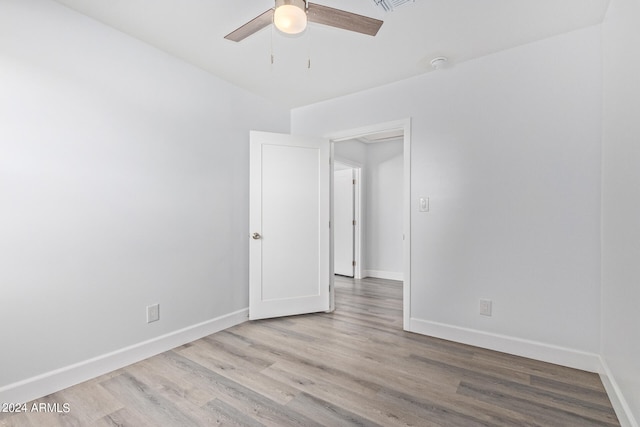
(306,4)
(271,47)
(308,48)
(306,10)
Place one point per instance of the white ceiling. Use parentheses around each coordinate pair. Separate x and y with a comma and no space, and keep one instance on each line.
(342,62)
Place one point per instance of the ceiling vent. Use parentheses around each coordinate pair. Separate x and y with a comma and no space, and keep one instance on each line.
(390,5)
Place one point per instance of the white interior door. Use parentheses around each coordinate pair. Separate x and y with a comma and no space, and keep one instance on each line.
(343,217)
(289,220)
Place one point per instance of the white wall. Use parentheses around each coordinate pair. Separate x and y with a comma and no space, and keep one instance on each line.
(382,204)
(123,182)
(351,150)
(507,147)
(383,207)
(621,201)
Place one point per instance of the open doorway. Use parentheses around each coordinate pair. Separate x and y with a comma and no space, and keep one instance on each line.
(381,155)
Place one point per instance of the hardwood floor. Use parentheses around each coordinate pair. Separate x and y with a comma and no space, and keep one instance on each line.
(352,367)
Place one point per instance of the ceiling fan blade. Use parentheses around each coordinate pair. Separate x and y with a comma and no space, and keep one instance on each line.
(342,19)
(251,27)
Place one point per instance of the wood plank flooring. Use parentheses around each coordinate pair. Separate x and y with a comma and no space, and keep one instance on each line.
(352,367)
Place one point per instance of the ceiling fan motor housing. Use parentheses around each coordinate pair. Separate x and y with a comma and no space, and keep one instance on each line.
(298,3)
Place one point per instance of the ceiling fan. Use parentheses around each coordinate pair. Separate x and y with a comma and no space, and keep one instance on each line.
(291,16)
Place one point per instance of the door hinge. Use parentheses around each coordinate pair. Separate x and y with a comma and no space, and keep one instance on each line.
(353,263)
(354,222)
(329,224)
(354,182)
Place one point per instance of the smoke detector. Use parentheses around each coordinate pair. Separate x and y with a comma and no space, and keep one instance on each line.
(438,62)
(390,5)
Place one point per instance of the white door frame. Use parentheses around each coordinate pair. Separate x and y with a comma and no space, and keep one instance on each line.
(357,212)
(405,126)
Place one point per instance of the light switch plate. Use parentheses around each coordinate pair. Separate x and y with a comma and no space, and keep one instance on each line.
(423,204)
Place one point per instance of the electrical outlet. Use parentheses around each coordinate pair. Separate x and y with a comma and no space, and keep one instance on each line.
(153,313)
(485,307)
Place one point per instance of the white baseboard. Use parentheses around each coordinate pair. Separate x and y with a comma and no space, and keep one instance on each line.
(389,275)
(50,382)
(619,403)
(520,347)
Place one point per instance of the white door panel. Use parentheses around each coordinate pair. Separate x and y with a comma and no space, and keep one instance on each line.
(343,217)
(289,197)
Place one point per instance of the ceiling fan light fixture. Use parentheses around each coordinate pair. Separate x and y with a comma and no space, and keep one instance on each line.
(290,16)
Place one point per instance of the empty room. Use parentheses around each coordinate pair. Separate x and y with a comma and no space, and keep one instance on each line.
(169,226)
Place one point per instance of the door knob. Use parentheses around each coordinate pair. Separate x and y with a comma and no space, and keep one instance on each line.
(256,236)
